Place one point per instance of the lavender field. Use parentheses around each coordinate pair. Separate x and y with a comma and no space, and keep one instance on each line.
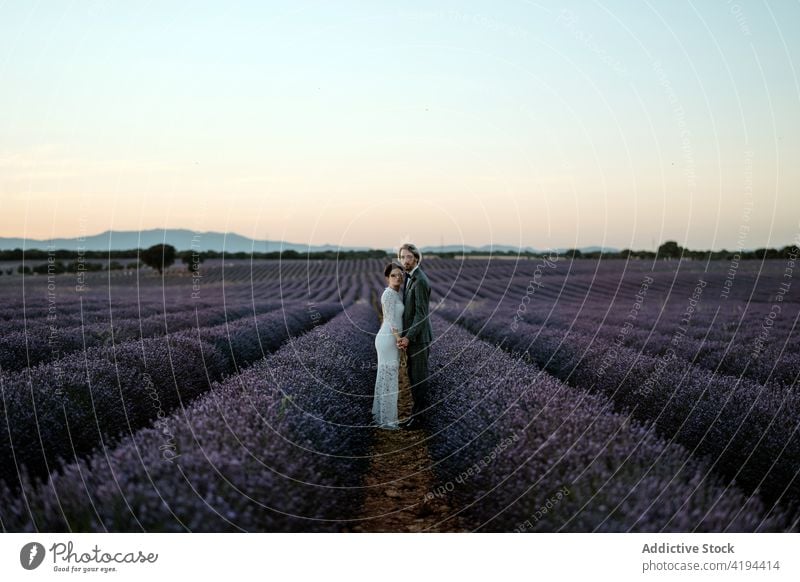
(565,395)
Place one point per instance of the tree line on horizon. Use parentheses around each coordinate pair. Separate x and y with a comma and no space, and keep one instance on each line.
(163,256)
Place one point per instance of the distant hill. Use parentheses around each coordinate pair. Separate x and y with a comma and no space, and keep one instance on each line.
(182,239)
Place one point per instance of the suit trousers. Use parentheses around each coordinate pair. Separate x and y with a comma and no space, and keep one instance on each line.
(417,361)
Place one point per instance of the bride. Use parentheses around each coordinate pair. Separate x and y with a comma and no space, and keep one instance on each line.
(384,406)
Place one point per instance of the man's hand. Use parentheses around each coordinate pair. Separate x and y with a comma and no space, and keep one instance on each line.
(402,343)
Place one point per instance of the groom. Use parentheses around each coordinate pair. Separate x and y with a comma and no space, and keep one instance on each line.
(417,334)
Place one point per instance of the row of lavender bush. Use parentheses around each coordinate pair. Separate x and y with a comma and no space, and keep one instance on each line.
(777,363)
(606,298)
(280,447)
(55,412)
(741,322)
(748,431)
(517,450)
(37,316)
(731,346)
(23,349)
(151,301)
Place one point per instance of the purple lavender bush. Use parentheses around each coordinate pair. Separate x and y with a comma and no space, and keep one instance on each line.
(22,349)
(90,399)
(748,432)
(280,447)
(736,356)
(54,412)
(517,450)
(249,338)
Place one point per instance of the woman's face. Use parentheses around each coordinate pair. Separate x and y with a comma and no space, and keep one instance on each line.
(395,279)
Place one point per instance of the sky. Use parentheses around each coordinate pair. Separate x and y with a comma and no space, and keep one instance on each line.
(544,124)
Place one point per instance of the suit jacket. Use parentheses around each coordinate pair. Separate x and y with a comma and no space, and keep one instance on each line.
(416,315)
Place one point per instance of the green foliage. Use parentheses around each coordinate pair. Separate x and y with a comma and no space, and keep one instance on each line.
(158,257)
(192,260)
(670,250)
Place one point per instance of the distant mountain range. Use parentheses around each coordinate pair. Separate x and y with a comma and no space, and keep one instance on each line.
(183,239)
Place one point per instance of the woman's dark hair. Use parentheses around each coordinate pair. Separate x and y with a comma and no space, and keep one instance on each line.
(391,267)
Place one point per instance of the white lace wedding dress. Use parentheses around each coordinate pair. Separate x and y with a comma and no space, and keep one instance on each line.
(384,405)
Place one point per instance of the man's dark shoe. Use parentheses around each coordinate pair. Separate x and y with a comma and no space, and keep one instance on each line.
(413,424)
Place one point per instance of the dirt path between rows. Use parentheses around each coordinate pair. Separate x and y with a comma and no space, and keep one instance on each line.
(399,479)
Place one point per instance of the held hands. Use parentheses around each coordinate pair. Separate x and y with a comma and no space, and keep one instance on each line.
(402,342)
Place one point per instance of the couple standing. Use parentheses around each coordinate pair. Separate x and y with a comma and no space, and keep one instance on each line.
(406,327)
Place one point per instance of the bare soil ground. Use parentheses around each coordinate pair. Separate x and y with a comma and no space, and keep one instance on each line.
(399,480)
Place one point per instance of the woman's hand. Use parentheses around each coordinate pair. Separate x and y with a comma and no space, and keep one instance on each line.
(402,342)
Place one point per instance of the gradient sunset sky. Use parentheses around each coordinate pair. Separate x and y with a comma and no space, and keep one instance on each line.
(547,124)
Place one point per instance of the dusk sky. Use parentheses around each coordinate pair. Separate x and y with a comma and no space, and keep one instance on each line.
(547,124)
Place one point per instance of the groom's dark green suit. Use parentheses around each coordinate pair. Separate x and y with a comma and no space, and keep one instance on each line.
(417,328)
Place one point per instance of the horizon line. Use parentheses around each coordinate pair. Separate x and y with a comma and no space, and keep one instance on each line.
(368,247)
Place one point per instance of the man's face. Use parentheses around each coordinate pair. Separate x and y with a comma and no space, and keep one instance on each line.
(408,260)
